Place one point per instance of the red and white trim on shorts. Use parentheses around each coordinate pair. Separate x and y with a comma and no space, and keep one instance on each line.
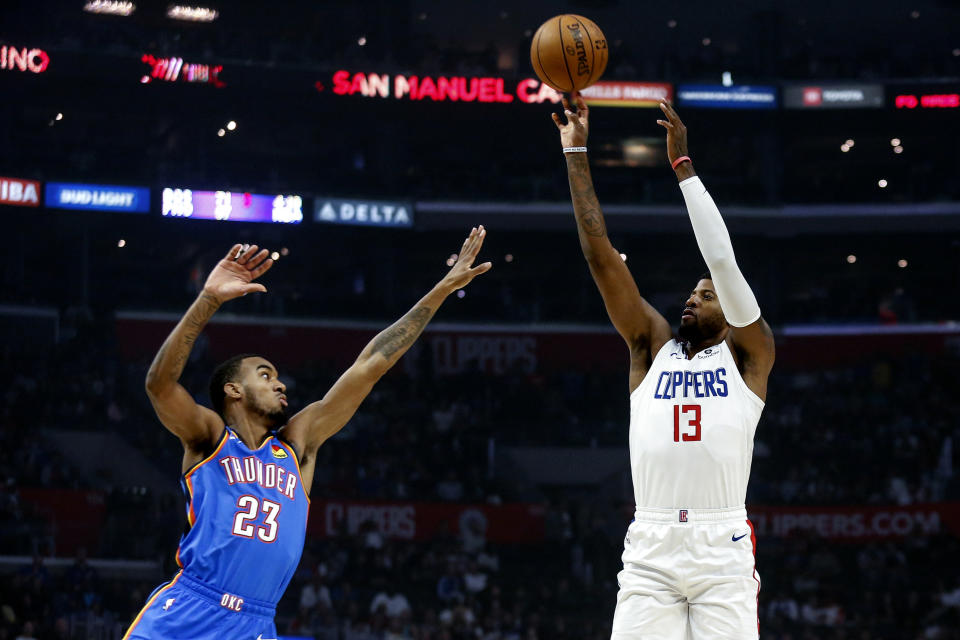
(753,543)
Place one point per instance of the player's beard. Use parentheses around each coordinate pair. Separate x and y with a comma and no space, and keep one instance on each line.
(690,332)
(275,417)
(697,332)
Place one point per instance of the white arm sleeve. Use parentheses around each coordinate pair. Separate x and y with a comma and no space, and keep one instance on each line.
(736,298)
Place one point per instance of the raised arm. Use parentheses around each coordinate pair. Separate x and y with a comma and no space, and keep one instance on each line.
(318,421)
(750,334)
(642,326)
(197,426)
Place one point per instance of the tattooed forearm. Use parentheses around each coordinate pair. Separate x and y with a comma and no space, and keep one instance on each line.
(172,357)
(401,334)
(586,208)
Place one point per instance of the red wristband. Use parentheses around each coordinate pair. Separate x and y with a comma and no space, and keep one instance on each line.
(676,163)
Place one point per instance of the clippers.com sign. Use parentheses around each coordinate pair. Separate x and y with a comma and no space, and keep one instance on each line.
(19,192)
(441,89)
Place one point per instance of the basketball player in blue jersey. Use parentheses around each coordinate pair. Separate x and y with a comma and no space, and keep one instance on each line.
(247,470)
(689,555)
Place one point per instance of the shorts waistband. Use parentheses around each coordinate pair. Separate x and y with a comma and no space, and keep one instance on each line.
(233,601)
(687,516)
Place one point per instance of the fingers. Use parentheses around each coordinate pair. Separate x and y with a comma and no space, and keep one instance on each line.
(581,105)
(481,268)
(253,288)
(671,113)
(255,261)
(666,125)
(572,117)
(470,253)
(262,269)
(556,121)
(466,243)
(471,246)
(246,253)
(234,252)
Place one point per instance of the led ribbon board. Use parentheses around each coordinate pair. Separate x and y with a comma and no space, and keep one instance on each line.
(231,206)
(97,197)
(721,97)
(368,213)
(19,192)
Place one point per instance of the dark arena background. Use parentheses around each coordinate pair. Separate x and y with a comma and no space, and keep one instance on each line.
(482,491)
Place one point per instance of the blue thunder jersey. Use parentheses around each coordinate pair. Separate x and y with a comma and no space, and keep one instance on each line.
(247,514)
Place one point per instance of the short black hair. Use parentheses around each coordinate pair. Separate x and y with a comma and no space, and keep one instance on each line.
(705,276)
(226,371)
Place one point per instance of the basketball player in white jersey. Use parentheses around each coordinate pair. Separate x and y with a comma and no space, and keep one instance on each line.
(695,399)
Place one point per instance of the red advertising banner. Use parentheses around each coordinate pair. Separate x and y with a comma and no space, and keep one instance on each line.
(19,192)
(76,517)
(496,349)
(857,524)
(516,523)
(26,59)
(628,94)
(928,101)
(440,88)
(451,350)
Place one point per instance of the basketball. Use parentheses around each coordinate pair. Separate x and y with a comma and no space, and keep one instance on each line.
(568,52)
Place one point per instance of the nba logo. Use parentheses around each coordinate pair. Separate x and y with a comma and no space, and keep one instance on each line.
(683,515)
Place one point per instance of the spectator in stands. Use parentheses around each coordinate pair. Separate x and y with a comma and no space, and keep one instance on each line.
(449,584)
(389,600)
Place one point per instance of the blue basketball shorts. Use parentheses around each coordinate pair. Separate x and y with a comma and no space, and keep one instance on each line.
(188,609)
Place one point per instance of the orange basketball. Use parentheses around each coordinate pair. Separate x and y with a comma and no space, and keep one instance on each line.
(568,52)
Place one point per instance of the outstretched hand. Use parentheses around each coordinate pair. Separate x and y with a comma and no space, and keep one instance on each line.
(463,271)
(574,132)
(234,274)
(676,132)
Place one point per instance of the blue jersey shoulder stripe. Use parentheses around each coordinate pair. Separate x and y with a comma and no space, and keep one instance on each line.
(296,461)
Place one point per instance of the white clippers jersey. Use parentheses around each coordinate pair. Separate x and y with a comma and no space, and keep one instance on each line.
(691,431)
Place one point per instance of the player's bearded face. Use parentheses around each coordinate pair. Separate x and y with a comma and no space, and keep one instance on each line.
(708,323)
(265,404)
(703,317)
(277,415)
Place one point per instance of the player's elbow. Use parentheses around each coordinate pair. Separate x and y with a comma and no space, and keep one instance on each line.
(153,385)
(150,385)
(373,367)
(720,262)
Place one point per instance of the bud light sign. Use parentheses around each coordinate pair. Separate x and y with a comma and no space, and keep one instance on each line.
(97,197)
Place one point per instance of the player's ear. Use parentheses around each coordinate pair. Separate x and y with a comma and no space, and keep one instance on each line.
(233,390)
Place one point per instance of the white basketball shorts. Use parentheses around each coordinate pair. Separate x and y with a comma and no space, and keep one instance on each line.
(688,575)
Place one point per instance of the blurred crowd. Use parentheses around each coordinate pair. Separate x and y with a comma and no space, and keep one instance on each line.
(879,432)
(538,277)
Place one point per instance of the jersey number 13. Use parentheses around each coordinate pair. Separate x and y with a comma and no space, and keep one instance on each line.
(690,413)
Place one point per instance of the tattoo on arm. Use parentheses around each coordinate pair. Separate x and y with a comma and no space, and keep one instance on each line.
(401,334)
(585,204)
(182,339)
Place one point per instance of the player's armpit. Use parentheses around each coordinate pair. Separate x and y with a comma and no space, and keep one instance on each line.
(195,425)
(755,349)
